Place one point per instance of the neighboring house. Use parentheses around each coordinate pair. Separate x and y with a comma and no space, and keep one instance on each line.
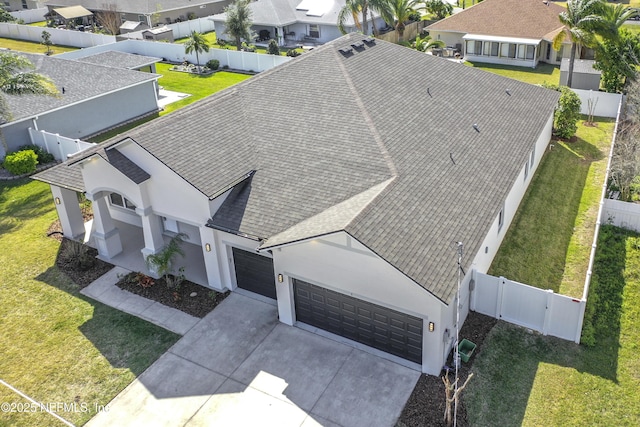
(152,13)
(510,32)
(584,75)
(345,210)
(92,98)
(72,16)
(17,5)
(295,22)
(128,61)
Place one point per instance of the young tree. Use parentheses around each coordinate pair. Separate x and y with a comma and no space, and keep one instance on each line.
(238,22)
(273,48)
(46,41)
(438,8)
(582,19)
(109,18)
(198,44)
(567,114)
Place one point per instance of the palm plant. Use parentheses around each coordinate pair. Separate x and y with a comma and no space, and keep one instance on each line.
(162,261)
(16,79)
(238,22)
(358,9)
(398,12)
(426,42)
(197,43)
(583,19)
(615,16)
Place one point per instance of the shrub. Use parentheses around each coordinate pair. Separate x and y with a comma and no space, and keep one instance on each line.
(78,255)
(273,48)
(222,42)
(225,67)
(567,114)
(293,53)
(21,162)
(43,156)
(415,16)
(213,64)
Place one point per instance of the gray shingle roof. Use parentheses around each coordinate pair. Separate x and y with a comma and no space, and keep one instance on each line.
(131,6)
(81,81)
(129,169)
(584,66)
(361,143)
(117,59)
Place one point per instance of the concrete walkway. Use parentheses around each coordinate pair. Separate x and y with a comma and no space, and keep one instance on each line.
(240,367)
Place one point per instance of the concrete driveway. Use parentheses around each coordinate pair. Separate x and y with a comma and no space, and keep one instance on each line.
(240,367)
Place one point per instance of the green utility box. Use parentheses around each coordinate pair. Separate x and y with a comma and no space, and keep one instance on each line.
(465,349)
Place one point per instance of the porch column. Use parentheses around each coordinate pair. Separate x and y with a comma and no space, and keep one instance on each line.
(211,257)
(105,233)
(68,208)
(280,40)
(152,230)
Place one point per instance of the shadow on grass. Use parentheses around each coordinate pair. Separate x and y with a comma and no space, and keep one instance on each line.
(540,69)
(535,247)
(511,358)
(14,213)
(126,341)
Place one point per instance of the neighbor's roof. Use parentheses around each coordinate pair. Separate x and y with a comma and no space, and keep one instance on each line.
(581,66)
(379,143)
(81,81)
(113,58)
(286,12)
(72,12)
(132,6)
(532,19)
(132,25)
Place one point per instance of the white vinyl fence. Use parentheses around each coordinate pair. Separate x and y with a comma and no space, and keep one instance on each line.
(540,310)
(59,36)
(61,147)
(606,104)
(247,61)
(31,15)
(622,214)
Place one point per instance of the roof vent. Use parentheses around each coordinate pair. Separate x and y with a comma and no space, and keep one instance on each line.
(475,126)
(346,51)
(429,93)
(508,93)
(358,46)
(369,42)
(546,3)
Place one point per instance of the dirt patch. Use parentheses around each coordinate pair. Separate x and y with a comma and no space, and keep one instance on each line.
(426,404)
(81,275)
(182,298)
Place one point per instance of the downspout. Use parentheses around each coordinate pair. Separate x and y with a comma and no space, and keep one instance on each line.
(34,120)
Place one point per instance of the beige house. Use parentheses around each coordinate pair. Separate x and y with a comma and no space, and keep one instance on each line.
(511,32)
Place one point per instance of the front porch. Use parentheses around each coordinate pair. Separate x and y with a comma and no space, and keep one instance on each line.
(131,257)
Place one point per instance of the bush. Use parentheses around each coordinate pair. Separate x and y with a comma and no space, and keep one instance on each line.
(225,67)
(273,48)
(293,53)
(213,64)
(415,16)
(567,114)
(43,156)
(21,162)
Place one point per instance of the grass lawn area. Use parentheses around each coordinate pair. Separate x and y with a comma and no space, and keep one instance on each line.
(549,241)
(57,345)
(32,47)
(213,42)
(198,86)
(38,24)
(531,380)
(543,73)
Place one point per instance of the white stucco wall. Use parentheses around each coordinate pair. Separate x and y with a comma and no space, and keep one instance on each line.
(449,38)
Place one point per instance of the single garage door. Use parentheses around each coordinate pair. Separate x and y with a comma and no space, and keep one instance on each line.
(254,273)
(376,326)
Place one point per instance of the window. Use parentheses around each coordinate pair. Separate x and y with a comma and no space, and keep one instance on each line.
(470,47)
(532,157)
(24,4)
(142,18)
(170,225)
(486,49)
(314,31)
(526,169)
(117,200)
(531,50)
(512,50)
(559,54)
(508,50)
(495,46)
(521,51)
(478,48)
(501,219)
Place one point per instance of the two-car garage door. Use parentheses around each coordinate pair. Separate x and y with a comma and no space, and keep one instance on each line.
(370,324)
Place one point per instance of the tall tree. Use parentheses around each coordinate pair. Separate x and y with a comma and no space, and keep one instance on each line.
(198,44)
(583,19)
(398,12)
(354,9)
(46,41)
(109,18)
(618,59)
(238,21)
(439,8)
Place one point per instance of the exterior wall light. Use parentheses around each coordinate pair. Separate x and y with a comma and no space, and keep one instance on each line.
(207,247)
(432,326)
(280,278)
(57,199)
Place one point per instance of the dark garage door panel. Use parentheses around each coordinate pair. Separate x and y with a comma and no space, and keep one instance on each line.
(254,273)
(376,326)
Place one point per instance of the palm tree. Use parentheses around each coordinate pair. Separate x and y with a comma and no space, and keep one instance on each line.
(15,79)
(238,21)
(196,43)
(582,20)
(398,12)
(424,43)
(615,16)
(352,8)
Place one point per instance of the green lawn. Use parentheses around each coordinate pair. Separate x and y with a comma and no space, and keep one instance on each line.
(549,241)
(198,86)
(531,380)
(57,345)
(32,47)
(543,73)
(213,42)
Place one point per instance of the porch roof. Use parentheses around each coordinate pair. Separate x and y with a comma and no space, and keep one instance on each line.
(72,12)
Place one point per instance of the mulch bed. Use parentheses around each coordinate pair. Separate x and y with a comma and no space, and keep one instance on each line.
(82,277)
(426,404)
(199,305)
